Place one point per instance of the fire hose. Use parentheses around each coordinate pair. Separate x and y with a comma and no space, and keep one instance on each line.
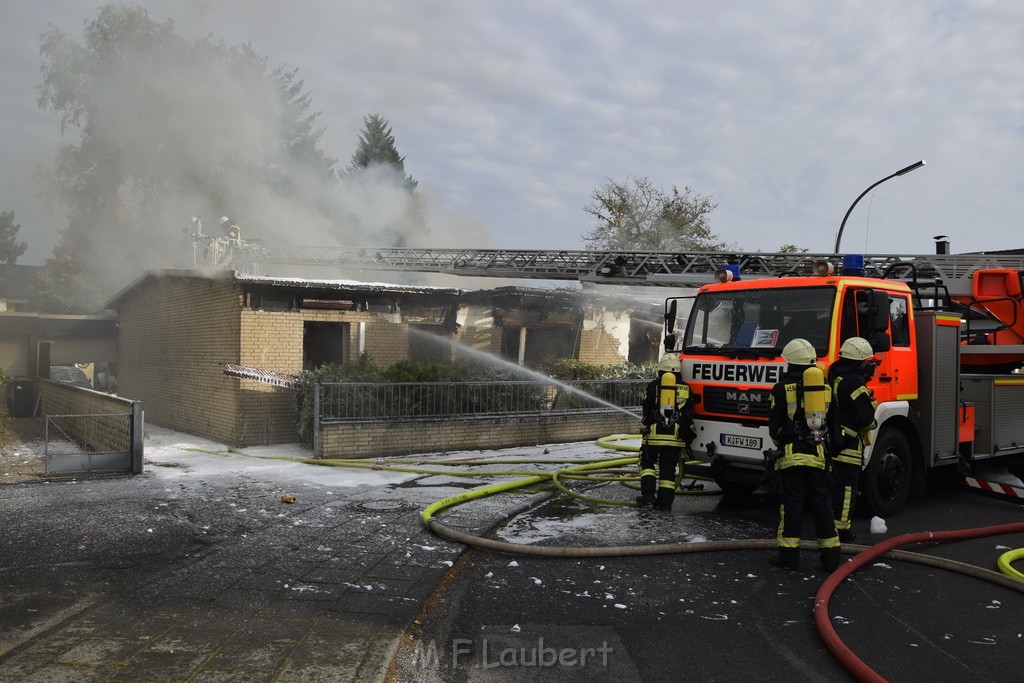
(607,470)
(850,661)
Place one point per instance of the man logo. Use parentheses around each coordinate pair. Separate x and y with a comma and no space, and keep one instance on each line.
(743,409)
(743,397)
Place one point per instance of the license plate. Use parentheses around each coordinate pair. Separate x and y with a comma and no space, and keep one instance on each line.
(753,442)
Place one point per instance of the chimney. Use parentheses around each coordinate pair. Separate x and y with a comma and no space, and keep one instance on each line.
(941,244)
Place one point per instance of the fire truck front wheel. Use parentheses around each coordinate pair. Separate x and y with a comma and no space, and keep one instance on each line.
(886,480)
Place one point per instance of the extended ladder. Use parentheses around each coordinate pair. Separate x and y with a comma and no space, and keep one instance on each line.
(632,267)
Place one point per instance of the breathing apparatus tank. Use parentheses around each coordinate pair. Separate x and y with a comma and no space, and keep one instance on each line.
(816,399)
(667,395)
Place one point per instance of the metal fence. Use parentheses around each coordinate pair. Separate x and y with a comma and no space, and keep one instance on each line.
(354,401)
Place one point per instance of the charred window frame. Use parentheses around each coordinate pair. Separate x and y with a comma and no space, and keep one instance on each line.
(324,342)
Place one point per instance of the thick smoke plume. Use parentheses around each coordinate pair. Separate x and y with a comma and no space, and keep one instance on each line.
(171,128)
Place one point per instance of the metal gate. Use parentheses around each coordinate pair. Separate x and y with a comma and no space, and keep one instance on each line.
(108,442)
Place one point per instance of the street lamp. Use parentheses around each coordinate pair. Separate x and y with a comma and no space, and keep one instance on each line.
(902,171)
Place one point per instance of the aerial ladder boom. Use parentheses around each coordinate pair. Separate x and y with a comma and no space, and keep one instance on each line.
(953,271)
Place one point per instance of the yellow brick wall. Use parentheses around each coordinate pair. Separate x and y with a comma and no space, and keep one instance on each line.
(100,433)
(272,340)
(486,339)
(599,348)
(174,333)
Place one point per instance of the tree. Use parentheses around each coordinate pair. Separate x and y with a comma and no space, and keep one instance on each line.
(376,175)
(10,248)
(61,287)
(377,148)
(636,215)
(168,129)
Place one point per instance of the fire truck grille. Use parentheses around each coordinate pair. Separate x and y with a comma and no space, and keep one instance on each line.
(730,401)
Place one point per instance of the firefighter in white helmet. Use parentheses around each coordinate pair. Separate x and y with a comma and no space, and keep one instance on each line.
(667,428)
(851,420)
(797,426)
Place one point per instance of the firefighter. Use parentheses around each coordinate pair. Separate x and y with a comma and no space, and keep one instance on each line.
(851,420)
(797,425)
(231,231)
(667,428)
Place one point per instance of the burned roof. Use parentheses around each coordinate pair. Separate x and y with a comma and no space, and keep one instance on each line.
(354,286)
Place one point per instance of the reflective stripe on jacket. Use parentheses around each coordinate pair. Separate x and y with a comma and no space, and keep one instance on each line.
(784,411)
(664,436)
(855,407)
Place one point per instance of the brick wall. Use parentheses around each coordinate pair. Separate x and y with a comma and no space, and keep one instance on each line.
(100,433)
(486,339)
(373,439)
(174,333)
(599,348)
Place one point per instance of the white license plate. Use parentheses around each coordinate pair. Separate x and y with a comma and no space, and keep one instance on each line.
(753,442)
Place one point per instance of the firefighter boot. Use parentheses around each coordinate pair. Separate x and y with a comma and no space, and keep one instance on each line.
(831,558)
(666,495)
(647,483)
(787,558)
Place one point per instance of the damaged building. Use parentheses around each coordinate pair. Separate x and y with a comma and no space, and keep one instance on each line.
(177,328)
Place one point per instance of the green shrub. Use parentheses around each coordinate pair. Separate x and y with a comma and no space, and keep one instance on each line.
(571,370)
(363,369)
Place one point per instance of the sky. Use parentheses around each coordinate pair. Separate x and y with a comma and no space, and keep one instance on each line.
(510,115)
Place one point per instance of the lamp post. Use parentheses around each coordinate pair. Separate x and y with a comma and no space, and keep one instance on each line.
(902,171)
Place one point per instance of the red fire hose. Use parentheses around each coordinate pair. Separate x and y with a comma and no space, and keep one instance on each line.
(850,661)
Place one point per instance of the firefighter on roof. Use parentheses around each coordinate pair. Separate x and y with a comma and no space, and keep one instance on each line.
(797,424)
(851,419)
(230,230)
(667,427)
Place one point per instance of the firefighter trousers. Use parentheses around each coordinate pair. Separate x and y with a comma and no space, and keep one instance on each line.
(806,485)
(660,487)
(845,485)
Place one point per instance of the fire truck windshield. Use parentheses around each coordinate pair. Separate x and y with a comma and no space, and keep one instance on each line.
(759,322)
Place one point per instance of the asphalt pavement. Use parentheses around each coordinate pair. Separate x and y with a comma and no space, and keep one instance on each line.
(720,616)
(197,570)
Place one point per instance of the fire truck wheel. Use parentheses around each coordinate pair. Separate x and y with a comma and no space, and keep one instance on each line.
(887,477)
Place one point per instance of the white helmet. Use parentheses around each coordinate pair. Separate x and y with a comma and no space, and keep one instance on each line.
(669,363)
(856,348)
(799,352)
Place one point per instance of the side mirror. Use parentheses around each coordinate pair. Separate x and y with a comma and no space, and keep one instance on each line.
(670,317)
(880,341)
(878,311)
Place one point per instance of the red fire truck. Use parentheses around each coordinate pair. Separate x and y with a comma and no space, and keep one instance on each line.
(948,331)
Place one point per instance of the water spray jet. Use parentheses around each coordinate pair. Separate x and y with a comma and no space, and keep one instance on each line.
(515,367)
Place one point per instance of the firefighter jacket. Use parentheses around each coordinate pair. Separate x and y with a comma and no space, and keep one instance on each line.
(231,231)
(852,412)
(787,427)
(675,432)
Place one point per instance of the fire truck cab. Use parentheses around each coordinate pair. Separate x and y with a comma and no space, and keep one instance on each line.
(929,413)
